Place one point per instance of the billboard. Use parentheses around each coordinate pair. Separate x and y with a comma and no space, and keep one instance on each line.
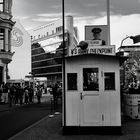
(21,45)
(97,33)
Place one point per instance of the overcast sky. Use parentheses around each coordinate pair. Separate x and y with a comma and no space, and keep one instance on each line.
(125,14)
(124,19)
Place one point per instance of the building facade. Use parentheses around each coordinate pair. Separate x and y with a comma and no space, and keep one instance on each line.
(6,25)
(47,48)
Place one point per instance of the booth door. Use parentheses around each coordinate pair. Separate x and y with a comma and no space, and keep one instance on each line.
(89,96)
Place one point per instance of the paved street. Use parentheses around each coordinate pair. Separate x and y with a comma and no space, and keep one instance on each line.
(31,122)
(18,118)
(51,129)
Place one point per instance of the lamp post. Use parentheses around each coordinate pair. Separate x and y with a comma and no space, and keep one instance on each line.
(63,62)
(135,39)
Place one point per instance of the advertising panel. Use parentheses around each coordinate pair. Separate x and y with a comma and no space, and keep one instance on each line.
(97,33)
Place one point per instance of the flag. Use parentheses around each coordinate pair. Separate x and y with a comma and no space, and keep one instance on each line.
(135,39)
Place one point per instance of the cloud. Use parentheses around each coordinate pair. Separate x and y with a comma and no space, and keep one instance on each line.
(49,14)
(56,6)
(120,27)
(44,19)
(22,17)
(91,4)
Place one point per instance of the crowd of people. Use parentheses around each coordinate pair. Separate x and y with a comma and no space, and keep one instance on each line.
(15,94)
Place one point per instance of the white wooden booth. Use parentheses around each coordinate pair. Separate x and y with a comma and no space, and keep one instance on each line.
(92,95)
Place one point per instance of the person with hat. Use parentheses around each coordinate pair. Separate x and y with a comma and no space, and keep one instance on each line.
(96,34)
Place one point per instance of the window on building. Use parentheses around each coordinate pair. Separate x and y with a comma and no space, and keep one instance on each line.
(9,40)
(7,7)
(72,81)
(1,38)
(109,80)
(56,30)
(2,5)
(90,79)
(61,28)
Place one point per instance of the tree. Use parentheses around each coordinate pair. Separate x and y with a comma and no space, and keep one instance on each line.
(130,67)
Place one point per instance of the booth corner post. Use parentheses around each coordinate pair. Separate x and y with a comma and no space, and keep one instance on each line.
(63,63)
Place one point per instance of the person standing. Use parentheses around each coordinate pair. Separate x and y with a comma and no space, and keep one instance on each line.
(55,94)
(21,90)
(26,95)
(39,94)
(11,95)
(5,91)
(31,94)
(97,36)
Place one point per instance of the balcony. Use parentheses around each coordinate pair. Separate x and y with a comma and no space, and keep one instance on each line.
(5,15)
(6,57)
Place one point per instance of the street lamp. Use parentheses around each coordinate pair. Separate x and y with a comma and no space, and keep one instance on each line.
(135,39)
(63,62)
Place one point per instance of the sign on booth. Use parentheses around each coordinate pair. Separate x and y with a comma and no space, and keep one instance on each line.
(106,50)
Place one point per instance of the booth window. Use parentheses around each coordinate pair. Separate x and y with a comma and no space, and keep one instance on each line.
(109,79)
(90,79)
(72,81)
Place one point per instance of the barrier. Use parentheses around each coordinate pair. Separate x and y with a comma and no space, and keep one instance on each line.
(132,105)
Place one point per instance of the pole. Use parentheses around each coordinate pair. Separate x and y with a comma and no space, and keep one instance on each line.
(108,20)
(63,64)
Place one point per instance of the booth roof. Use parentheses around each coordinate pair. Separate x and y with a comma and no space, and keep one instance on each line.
(121,58)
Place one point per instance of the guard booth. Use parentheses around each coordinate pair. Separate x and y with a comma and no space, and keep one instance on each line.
(92,96)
